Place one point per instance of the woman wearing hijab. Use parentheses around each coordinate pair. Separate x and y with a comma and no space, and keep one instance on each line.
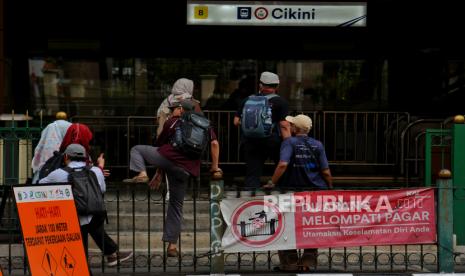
(77,134)
(80,134)
(182,90)
(50,141)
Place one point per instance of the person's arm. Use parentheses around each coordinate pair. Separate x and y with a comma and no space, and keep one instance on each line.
(326,174)
(324,165)
(237,120)
(285,129)
(285,154)
(100,178)
(282,110)
(278,172)
(237,116)
(56,176)
(215,155)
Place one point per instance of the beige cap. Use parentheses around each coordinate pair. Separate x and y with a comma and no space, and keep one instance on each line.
(301,121)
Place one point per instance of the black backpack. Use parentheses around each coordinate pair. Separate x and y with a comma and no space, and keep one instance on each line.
(53,163)
(86,191)
(192,134)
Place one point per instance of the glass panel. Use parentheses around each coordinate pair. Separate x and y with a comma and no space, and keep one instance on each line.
(135,86)
(333,84)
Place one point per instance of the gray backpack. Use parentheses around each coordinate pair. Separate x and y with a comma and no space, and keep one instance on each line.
(192,134)
(86,191)
(256,120)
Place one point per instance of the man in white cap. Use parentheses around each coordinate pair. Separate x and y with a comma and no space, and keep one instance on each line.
(258,148)
(303,165)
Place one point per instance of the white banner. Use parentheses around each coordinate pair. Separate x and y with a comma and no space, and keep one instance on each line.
(42,193)
(250,228)
(277,13)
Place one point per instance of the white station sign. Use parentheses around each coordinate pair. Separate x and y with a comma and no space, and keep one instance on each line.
(318,14)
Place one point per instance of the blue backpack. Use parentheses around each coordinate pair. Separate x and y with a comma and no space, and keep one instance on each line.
(256,119)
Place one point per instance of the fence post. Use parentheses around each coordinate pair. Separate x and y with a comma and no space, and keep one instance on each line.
(445,222)
(458,167)
(216,227)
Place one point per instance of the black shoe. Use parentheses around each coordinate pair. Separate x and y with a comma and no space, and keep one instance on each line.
(112,260)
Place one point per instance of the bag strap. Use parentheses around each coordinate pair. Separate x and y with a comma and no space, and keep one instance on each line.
(68,169)
(270,96)
(174,123)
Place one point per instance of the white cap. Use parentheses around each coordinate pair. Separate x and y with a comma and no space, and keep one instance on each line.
(269,78)
(301,121)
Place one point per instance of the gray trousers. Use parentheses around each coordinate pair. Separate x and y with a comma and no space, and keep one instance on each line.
(178,179)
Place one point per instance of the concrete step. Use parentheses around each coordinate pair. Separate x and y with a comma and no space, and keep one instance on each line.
(141,221)
(142,241)
(141,205)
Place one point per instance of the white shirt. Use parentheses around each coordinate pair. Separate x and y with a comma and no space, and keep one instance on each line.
(61,176)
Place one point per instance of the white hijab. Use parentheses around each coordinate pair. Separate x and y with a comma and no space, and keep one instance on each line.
(182,89)
(50,141)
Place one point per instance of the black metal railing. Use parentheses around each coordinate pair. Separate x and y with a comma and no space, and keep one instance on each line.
(366,139)
(136,217)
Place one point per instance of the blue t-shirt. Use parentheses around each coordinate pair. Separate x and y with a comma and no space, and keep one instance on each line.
(306,157)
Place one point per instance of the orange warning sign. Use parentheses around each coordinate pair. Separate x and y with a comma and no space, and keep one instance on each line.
(51,231)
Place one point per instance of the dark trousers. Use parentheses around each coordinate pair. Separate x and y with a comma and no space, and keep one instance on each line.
(256,152)
(178,180)
(290,260)
(96,230)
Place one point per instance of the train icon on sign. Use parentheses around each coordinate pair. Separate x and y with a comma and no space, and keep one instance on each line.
(244,13)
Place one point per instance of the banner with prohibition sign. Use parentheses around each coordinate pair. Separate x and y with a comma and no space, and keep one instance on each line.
(329,219)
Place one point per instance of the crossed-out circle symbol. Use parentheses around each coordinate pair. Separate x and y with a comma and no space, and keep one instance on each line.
(261,13)
(236,216)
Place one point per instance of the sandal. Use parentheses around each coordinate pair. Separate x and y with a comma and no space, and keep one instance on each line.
(172,252)
(137,179)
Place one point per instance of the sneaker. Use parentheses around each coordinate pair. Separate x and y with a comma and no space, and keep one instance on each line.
(137,179)
(112,260)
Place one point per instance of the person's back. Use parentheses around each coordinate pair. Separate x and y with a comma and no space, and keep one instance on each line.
(75,159)
(258,149)
(306,158)
(92,222)
(302,166)
(51,138)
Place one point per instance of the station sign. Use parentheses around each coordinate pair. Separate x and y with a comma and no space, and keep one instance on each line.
(317,14)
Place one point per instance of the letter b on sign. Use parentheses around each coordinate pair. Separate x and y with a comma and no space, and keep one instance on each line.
(201,12)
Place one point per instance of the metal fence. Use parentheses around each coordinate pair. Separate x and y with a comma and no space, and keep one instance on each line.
(369,140)
(412,146)
(136,214)
(136,221)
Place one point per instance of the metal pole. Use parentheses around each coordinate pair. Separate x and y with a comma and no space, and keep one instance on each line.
(445,222)
(216,229)
(458,167)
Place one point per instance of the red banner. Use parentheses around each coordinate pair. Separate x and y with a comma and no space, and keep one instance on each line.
(329,219)
(357,218)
